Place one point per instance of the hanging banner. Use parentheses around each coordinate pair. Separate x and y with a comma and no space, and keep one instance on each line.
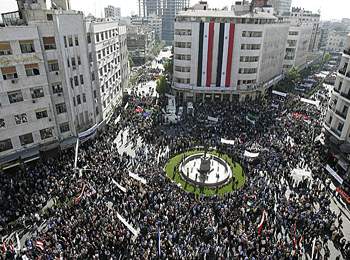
(225,141)
(213,119)
(334,174)
(282,94)
(251,155)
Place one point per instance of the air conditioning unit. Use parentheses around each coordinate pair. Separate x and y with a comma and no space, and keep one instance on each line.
(56,73)
(14,81)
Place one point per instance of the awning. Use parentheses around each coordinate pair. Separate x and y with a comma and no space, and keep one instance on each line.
(5,46)
(31,66)
(49,40)
(8,70)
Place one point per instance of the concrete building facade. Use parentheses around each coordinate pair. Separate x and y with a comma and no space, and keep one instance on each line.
(337,119)
(224,55)
(47,81)
(152,22)
(112,12)
(281,7)
(336,41)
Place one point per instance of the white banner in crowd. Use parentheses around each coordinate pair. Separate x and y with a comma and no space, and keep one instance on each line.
(213,119)
(251,155)
(225,141)
(282,94)
(138,178)
(119,186)
(334,174)
(249,120)
(311,102)
(275,105)
(133,230)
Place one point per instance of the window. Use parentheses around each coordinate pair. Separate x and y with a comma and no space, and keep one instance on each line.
(37,92)
(88,38)
(5,145)
(74,103)
(57,88)
(26,139)
(41,114)
(27,46)
(76,40)
(76,81)
(65,41)
(73,62)
(49,17)
(97,37)
(340,127)
(182,44)
(182,81)
(247,70)
(53,65)
(81,79)
(345,110)
(182,57)
(92,76)
(79,60)
(46,133)
(102,36)
(71,82)
(70,41)
(183,32)
(251,34)
(64,127)
(2,123)
(61,108)
(249,58)
(49,43)
(5,48)
(84,98)
(250,47)
(9,73)
(21,118)
(293,33)
(15,96)
(78,99)
(32,69)
(182,69)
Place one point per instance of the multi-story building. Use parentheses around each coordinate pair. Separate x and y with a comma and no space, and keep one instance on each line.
(336,41)
(150,7)
(107,57)
(227,55)
(281,7)
(140,42)
(337,119)
(166,10)
(47,90)
(297,49)
(112,12)
(153,22)
(299,16)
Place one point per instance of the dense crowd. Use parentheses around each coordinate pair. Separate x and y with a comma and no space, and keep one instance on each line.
(84,222)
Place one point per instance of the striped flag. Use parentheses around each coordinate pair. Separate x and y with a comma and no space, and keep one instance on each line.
(4,248)
(262,221)
(77,199)
(301,245)
(39,244)
(12,248)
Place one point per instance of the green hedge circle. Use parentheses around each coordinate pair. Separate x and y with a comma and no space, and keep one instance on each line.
(175,161)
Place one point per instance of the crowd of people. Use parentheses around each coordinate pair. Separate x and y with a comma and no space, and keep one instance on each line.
(274,216)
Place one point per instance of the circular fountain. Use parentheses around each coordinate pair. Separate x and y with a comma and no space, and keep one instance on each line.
(205,170)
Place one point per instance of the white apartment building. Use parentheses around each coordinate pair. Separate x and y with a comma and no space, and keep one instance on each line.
(153,22)
(107,53)
(227,55)
(297,49)
(112,12)
(47,92)
(300,16)
(336,41)
(337,120)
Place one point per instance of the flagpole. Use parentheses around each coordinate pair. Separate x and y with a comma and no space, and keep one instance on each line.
(76,154)
(159,252)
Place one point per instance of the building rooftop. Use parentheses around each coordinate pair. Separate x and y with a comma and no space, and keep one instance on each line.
(225,14)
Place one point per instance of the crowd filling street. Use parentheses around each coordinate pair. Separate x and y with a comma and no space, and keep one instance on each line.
(99,211)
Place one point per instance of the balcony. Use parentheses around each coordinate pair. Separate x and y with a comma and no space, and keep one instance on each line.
(342,115)
(347,51)
(345,95)
(342,71)
(335,131)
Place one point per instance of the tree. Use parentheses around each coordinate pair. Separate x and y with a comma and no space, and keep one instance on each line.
(326,57)
(161,85)
(293,75)
(168,67)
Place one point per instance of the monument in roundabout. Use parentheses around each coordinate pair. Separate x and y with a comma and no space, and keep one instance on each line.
(205,170)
